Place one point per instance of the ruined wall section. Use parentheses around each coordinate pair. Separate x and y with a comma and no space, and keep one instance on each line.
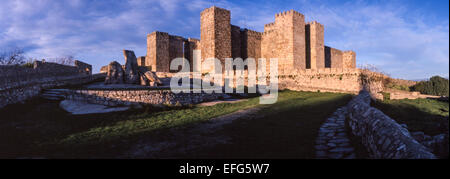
(315,50)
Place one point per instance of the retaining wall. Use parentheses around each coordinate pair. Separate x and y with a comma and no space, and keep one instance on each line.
(129,97)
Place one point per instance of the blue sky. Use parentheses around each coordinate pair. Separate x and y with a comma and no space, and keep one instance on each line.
(404,38)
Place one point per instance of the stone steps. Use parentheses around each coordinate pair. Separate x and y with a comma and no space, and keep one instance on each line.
(53,94)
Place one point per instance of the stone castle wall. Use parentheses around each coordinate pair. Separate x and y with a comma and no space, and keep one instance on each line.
(236,42)
(315,49)
(323,80)
(189,46)
(176,49)
(333,58)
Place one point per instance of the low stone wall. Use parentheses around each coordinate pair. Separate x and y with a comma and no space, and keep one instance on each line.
(332,80)
(381,135)
(130,97)
(397,94)
(21,91)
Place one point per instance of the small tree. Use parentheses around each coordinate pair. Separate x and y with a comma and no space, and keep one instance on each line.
(13,57)
(435,86)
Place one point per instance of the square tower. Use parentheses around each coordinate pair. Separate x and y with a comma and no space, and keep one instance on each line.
(285,40)
(315,50)
(215,34)
(158,51)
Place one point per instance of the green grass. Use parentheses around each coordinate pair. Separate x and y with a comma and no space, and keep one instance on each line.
(287,128)
(427,115)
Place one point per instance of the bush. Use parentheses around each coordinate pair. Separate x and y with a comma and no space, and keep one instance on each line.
(435,86)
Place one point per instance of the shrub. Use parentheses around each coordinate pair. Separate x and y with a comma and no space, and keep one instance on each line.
(435,86)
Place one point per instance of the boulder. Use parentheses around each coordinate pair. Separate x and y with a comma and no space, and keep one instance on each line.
(131,68)
(152,78)
(104,69)
(115,74)
(144,81)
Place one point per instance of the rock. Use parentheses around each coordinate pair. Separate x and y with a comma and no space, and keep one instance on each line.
(131,67)
(115,74)
(104,69)
(144,80)
(151,76)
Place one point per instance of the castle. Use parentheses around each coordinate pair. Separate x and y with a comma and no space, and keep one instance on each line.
(297,44)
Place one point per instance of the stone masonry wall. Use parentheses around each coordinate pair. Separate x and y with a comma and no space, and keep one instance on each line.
(285,40)
(236,42)
(349,59)
(190,45)
(381,135)
(176,50)
(323,80)
(333,58)
(252,44)
(21,91)
(215,33)
(158,51)
(129,97)
(315,50)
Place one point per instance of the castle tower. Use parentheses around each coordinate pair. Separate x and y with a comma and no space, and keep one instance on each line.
(315,54)
(285,40)
(215,34)
(158,51)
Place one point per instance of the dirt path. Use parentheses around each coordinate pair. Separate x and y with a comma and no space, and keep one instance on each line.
(179,141)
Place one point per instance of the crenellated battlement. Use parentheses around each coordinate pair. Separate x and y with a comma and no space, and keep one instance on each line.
(289,13)
(214,8)
(254,33)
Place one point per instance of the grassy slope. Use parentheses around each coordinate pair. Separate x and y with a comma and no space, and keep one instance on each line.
(39,128)
(427,115)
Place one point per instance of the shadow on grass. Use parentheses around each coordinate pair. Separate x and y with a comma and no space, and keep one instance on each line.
(286,129)
(426,115)
(25,128)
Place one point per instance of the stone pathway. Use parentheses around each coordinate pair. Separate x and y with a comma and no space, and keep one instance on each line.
(332,142)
